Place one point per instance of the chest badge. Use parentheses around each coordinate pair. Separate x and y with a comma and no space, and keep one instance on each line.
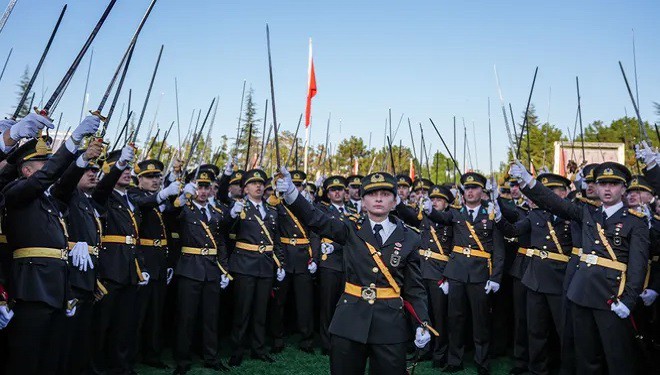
(617,240)
(395,259)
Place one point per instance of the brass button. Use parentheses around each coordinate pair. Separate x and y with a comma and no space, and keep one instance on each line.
(597,242)
(375,269)
(372,285)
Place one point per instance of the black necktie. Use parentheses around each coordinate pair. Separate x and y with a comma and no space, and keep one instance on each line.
(341,210)
(604,216)
(204,217)
(379,239)
(471,212)
(128,202)
(259,210)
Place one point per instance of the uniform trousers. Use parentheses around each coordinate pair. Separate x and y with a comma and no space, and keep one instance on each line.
(543,315)
(36,337)
(348,357)
(330,289)
(601,338)
(77,346)
(520,344)
(150,305)
(466,298)
(438,303)
(250,306)
(303,293)
(194,297)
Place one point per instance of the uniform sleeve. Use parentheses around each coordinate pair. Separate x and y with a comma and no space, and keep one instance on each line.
(509,211)
(223,189)
(638,256)
(442,217)
(653,176)
(513,230)
(413,290)
(547,199)
(497,256)
(408,214)
(321,223)
(144,201)
(64,187)
(106,186)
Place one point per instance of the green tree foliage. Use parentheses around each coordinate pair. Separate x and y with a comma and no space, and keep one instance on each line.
(22,87)
(624,130)
(250,131)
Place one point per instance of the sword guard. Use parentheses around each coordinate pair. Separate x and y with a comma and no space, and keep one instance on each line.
(42,112)
(98,114)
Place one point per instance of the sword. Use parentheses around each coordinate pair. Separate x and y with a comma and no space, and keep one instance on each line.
(146,100)
(512,144)
(295,138)
(642,128)
(577,84)
(522,127)
(5,66)
(151,145)
(238,126)
(5,16)
(162,145)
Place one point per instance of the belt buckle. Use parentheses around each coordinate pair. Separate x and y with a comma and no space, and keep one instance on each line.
(591,259)
(543,254)
(294,241)
(129,240)
(204,251)
(428,253)
(467,251)
(529,252)
(157,243)
(64,255)
(369,294)
(262,249)
(95,250)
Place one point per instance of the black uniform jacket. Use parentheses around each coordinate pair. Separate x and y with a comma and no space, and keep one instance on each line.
(296,257)
(35,219)
(334,260)
(438,238)
(152,229)
(118,262)
(473,269)
(250,228)
(83,223)
(542,274)
(594,285)
(385,321)
(195,234)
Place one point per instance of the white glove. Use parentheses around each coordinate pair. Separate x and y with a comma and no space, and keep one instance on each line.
(88,126)
(170,275)
(80,257)
(237,209)
(229,167)
(444,286)
(71,312)
(6,124)
(182,199)
(171,190)
(491,286)
(648,296)
(285,184)
(29,126)
(224,281)
(190,189)
(312,267)
(428,205)
(5,316)
(280,274)
(422,337)
(127,155)
(518,171)
(319,181)
(145,276)
(489,185)
(645,154)
(620,309)
(327,248)
(496,207)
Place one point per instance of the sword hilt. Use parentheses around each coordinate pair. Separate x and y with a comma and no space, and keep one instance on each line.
(98,114)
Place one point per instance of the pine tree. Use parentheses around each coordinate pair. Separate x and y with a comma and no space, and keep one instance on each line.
(249,121)
(22,88)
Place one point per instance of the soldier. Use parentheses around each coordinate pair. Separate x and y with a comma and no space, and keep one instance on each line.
(474,270)
(550,245)
(153,249)
(404,182)
(201,272)
(611,271)
(382,270)
(354,199)
(300,265)
(331,263)
(256,258)
(437,240)
(421,186)
(120,270)
(37,234)
(74,190)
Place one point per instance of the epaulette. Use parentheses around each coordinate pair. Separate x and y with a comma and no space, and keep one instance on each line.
(217,209)
(325,204)
(413,228)
(589,201)
(354,218)
(456,206)
(657,217)
(637,213)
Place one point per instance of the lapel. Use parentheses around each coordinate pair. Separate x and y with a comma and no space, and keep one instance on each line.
(598,215)
(616,216)
(481,214)
(366,233)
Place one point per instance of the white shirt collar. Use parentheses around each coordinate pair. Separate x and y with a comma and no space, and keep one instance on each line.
(388,228)
(206,206)
(609,211)
(338,207)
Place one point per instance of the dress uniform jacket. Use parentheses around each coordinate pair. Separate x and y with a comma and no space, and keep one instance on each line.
(153,244)
(193,234)
(296,241)
(543,274)
(438,243)
(654,272)
(334,260)
(249,231)
(35,219)
(117,261)
(473,269)
(518,243)
(593,285)
(83,224)
(383,321)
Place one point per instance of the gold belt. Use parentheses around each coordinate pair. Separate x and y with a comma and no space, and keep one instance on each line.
(41,252)
(544,254)
(428,253)
(523,251)
(155,243)
(93,250)
(294,241)
(126,240)
(199,251)
(174,235)
(592,259)
(3,238)
(471,252)
(251,247)
(232,236)
(655,258)
(370,293)
(577,251)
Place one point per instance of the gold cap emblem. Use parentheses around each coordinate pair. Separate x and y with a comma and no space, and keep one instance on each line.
(608,172)
(377,178)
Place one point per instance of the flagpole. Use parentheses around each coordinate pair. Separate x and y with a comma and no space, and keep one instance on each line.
(308,123)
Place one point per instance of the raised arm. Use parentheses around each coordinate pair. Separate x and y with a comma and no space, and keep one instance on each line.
(513,229)
(408,214)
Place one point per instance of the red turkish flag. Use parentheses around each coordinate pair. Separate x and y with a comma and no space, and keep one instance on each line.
(311,86)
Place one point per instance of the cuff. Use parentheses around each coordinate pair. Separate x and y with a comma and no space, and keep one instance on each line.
(290,198)
(71,146)
(159,197)
(3,147)
(121,165)
(81,163)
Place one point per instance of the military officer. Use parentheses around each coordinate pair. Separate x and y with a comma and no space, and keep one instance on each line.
(403,183)
(382,270)
(300,265)
(354,199)
(474,270)
(611,271)
(437,240)
(257,257)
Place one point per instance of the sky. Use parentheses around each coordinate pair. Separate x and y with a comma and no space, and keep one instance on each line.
(423,59)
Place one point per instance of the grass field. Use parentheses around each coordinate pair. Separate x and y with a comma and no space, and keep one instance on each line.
(295,362)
